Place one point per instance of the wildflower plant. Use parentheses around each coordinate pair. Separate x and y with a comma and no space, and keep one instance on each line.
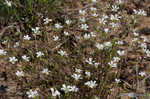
(89,52)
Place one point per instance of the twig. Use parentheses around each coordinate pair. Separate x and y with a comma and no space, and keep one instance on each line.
(5,28)
(138,83)
(58,46)
(133,95)
(91,4)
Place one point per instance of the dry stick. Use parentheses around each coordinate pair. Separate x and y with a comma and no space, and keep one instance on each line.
(5,28)
(91,4)
(137,86)
(135,95)
(58,46)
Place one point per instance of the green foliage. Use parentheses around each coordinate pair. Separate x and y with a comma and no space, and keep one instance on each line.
(5,11)
(25,8)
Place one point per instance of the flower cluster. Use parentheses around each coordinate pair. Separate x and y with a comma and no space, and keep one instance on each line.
(92,62)
(89,35)
(140,12)
(105,45)
(36,30)
(68,88)
(32,94)
(114,62)
(62,53)
(91,84)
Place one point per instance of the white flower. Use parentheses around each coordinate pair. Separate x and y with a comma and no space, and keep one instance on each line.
(2,52)
(135,39)
(93,34)
(36,30)
(8,3)
(95,15)
(69,88)
(26,37)
(25,58)
(121,53)
(47,20)
(100,46)
(20,73)
(74,89)
(135,11)
(68,22)
(147,53)
(107,44)
(90,61)
(117,80)
(116,59)
(39,54)
(143,45)
(106,30)
(78,70)
(55,92)
(135,33)
(76,76)
(144,38)
(87,36)
(66,88)
(91,84)
(58,26)
(32,94)
(84,26)
(115,8)
(145,50)
(82,12)
(114,17)
(45,71)
(13,60)
(93,9)
(105,17)
(102,21)
(119,42)
(55,38)
(16,44)
(140,12)
(112,64)
(88,74)
(113,24)
(119,1)
(82,19)
(5,42)
(66,33)
(62,53)
(94,1)
(142,74)
(96,65)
